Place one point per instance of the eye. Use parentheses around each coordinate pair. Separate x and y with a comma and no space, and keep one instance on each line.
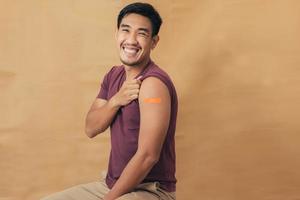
(125,30)
(143,34)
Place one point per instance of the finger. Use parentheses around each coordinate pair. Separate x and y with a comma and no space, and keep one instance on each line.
(135,81)
(134,91)
(139,79)
(134,85)
(134,96)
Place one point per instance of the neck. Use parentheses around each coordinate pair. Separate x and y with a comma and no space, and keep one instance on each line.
(133,71)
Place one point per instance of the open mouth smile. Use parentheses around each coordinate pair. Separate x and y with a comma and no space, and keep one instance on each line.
(130,50)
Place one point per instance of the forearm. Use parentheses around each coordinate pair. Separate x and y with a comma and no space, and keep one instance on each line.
(99,119)
(135,171)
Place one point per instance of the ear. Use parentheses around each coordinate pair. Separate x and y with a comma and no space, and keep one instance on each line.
(155,40)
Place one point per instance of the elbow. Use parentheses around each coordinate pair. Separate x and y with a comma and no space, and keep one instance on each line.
(150,159)
(153,160)
(90,132)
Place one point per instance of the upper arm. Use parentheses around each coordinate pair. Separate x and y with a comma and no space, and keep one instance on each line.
(155,108)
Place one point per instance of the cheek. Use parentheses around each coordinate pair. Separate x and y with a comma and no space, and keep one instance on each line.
(146,44)
(120,38)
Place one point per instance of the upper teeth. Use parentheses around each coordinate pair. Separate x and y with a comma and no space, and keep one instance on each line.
(130,50)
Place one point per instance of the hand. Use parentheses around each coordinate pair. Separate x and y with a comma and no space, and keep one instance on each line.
(106,197)
(128,92)
(109,196)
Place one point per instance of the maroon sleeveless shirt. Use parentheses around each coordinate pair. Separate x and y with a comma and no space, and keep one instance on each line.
(125,129)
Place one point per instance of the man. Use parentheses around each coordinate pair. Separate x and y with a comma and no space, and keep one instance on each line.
(138,101)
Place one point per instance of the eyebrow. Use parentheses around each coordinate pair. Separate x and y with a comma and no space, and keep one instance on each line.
(140,29)
(124,26)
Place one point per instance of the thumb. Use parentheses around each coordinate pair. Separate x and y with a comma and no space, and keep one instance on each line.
(139,79)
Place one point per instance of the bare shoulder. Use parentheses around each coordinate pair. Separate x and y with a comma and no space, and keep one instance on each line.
(154,96)
(153,86)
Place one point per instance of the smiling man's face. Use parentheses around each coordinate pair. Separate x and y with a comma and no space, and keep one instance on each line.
(135,41)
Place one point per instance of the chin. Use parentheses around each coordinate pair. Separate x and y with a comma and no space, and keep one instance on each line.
(131,63)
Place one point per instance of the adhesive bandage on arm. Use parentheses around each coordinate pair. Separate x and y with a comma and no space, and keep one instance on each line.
(152,100)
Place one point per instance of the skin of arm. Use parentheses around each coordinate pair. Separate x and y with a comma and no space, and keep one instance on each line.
(100,116)
(154,122)
(102,111)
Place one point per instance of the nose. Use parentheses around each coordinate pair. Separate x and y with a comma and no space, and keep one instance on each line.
(131,39)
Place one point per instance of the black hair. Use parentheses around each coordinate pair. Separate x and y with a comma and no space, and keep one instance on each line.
(144,9)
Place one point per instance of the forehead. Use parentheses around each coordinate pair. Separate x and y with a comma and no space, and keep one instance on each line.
(136,21)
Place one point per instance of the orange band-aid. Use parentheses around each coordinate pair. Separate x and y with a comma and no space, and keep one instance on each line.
(152,100)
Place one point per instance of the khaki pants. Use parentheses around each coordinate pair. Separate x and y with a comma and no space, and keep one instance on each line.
(97,190)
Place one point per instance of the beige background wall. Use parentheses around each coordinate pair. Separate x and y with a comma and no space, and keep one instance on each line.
(236,67)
